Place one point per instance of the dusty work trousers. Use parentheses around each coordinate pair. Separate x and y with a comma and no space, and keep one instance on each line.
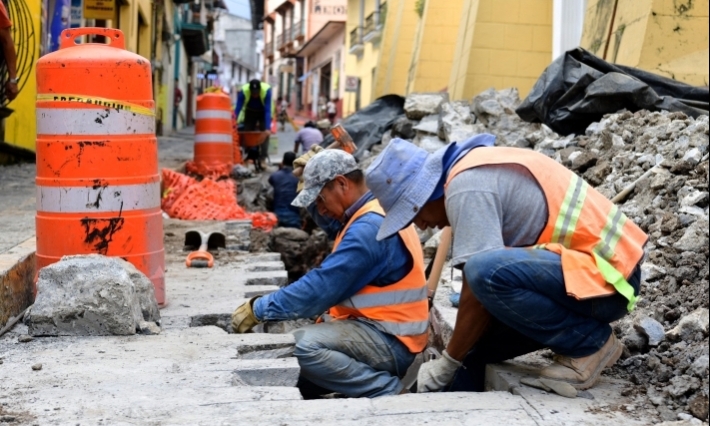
(351,357)
(524,291)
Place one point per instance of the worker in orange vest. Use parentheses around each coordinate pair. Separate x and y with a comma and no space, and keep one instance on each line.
(373,292)
(547,260)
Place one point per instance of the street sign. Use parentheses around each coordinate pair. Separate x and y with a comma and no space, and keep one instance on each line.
(351,84)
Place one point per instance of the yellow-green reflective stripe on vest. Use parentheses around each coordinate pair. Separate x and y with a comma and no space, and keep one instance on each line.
(569,212)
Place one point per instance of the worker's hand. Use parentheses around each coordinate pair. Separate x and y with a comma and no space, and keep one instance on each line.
(243,319)
(436,374)
(303,159)
(11,90)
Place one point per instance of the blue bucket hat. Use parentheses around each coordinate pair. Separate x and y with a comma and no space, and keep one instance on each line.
(321,169)
(402,179)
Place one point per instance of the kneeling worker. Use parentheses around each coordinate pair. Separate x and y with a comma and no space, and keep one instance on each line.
(374,292)
(548,261)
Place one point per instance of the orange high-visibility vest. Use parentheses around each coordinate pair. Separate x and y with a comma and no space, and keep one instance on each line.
(401,308)
(599,246)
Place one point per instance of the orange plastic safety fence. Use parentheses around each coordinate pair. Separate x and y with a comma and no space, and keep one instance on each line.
(263,220)
(208,200)
(174,184)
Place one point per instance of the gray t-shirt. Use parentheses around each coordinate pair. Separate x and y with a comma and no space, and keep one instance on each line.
(492,207)
(308,136)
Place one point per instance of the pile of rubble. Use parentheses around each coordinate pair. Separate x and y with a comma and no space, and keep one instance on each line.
(667,335)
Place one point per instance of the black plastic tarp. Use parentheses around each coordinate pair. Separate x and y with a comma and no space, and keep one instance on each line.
(578,88)
(367,126)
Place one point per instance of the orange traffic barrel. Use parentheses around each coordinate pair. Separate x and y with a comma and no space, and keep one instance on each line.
(98,187)
(213,131)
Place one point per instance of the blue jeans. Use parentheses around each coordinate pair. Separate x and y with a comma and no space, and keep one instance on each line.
(525,290)
(351,357)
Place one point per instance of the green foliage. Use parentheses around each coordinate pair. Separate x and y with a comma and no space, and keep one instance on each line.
(419,7)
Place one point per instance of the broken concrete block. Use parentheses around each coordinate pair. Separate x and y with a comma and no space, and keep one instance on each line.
(696,321)
(403,128)
(89,296)
(418,105)
(148,328)
(453,115)
(223,321)
(428,125)
(652,329)
(464,132)
(145,292)
(270,372)
(277,278)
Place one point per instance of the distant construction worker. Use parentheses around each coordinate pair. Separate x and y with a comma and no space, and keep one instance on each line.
(374,292)
(254,111)
(308,136)
(284,183)
(547,260)
(9,54)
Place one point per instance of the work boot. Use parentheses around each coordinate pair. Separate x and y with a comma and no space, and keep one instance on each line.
(583,373)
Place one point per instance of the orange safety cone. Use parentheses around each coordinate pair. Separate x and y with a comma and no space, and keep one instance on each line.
(98,186)
(213,131)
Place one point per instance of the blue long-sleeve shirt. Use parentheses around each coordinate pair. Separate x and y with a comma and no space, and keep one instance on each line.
(256,105)
(359,260)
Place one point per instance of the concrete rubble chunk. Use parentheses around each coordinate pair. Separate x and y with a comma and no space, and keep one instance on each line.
(652,329)
(418,105)
(428,125)
(267,372)
(696,321)
(403,128)
(88,296)
(464,132)
(695,237)
(148,328)
(452,115)
(430,144)
(145,291)
(560,388)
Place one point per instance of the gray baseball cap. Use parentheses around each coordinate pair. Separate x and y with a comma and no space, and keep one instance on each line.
(321,169)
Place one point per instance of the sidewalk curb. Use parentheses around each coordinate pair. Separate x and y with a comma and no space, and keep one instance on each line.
(17,273)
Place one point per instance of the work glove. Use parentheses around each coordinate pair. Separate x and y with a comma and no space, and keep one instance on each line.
(243,319)
(436,374)
(301,162)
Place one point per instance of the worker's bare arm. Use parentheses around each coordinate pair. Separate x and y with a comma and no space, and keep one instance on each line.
(471,321)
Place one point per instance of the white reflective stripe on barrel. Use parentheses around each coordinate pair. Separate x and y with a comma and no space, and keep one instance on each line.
(110,198)
(69,121)
(214,113)
(213,138)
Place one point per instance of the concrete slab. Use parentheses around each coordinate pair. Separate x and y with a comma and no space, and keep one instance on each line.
(263,257)
(278,278)
(267,372)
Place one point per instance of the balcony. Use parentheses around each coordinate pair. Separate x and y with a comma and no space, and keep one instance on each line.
(281,41)
(297,31)
(373,28)
(356,46)
(269,49)
(194,39)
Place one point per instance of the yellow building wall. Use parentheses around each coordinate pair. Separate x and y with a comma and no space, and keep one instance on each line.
(396,48)
(362,65)
(433,54)
(21,126)
(501,43)
(664,37)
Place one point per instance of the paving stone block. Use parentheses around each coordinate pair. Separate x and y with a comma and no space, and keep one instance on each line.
(266,290)
(266,266)
(277,278)
(265,257)
(264,346)
(267,372)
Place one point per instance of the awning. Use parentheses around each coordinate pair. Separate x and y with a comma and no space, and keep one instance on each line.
(321,38)
(194,38)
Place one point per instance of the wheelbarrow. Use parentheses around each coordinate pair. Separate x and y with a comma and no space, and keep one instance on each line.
(255,139)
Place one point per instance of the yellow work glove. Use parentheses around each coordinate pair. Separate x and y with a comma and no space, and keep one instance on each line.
(243,319)
(301,162)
